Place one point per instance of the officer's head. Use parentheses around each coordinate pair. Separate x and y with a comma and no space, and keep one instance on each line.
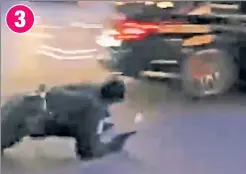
(113,90)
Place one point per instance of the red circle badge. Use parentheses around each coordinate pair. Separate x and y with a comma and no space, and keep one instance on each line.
(19,18)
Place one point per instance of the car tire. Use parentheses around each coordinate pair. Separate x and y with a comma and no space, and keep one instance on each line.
(225,67)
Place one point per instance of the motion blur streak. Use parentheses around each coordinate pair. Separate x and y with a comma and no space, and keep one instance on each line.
(68,51)
(63,57)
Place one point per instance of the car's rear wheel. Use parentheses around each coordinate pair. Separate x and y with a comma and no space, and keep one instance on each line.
(208,72)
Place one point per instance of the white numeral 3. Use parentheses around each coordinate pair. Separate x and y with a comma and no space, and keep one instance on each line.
(21,18)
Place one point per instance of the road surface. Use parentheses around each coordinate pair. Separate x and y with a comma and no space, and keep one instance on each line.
(175,136)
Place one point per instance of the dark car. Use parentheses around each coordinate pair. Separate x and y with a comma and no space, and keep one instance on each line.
(206,57)
(132,33)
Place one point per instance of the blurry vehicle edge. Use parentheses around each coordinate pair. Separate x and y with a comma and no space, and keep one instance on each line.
(159,45)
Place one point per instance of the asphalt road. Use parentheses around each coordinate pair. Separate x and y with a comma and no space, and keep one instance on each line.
(175,136)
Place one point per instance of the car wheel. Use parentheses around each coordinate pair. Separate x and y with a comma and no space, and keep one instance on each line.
(208,72)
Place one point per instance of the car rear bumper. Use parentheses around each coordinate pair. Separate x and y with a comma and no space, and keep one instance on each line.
(127,58)
(116,61)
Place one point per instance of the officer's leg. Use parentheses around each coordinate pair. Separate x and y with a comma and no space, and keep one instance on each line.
(89,145)
(100,149)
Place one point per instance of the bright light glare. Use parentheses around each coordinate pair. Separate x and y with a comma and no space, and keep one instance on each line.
(165,4)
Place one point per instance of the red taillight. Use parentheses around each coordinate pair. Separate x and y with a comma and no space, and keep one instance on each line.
(132,30)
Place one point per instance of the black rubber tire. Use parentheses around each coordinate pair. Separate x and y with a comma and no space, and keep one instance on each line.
(227,68)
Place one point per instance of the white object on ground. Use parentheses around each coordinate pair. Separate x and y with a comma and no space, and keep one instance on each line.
(138,118)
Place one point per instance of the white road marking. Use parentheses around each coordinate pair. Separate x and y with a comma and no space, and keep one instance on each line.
(59,50)
(48,26)
(38,21)
(86,25)
(40,35)
(55,56)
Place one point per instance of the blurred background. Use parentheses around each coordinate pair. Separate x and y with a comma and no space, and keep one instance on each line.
(61,49)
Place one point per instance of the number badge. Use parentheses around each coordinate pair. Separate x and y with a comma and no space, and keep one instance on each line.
(19,18)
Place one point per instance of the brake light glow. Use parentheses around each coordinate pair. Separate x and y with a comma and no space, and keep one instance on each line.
(127,29)
(131,30)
